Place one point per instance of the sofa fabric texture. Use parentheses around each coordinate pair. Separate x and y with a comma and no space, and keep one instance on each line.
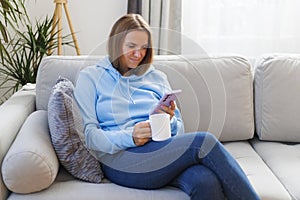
(277,97)
(217,90)
(217,93)
(66,127)
(15,111)
(283,159)
(31,164)
(260,175)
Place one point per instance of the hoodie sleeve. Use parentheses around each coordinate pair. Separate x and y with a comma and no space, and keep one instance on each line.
(97,139)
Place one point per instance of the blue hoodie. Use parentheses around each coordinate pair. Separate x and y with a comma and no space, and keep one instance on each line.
(111,104)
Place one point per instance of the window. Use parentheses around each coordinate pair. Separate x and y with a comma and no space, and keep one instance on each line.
(246,27)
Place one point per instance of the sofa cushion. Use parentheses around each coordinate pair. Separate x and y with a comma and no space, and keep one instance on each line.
(263,180)
(283,160)
(15,111)
(66,129)
(277,97)
(31,164)
(217,91)
(65,187)
(52,67)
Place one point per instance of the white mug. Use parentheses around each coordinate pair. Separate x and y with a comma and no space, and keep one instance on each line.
(160,126)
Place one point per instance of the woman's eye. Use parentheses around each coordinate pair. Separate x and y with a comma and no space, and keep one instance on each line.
(130,46)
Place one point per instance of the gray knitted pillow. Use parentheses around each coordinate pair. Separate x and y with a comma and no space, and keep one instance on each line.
(65,124)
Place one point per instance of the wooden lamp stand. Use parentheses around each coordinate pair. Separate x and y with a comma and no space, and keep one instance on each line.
(57,16)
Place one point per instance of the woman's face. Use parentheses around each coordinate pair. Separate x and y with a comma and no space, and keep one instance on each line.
(134,50)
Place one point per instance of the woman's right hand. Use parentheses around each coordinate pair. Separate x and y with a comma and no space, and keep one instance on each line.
(141,133)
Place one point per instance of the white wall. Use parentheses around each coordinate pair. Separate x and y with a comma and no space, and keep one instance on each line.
(91,19)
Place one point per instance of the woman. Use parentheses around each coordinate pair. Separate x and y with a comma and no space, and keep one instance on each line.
(115,97)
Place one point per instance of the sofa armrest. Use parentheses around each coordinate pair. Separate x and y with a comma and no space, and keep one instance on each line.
(13,113)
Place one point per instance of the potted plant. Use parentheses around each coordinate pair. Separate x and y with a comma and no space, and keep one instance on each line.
(22,54)
(10,13)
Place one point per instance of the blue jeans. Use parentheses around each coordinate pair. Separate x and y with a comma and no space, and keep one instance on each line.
(197,163)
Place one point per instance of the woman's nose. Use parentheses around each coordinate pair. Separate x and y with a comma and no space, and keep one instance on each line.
(137,53)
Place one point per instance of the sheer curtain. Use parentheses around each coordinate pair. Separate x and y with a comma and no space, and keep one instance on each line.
(164,17)
(247,27)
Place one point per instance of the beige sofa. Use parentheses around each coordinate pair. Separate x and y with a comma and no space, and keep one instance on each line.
(253,109)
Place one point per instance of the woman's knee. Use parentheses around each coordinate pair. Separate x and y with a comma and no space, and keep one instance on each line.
(207,136)
(206,142)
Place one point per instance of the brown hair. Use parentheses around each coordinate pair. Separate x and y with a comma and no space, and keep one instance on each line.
(118,33)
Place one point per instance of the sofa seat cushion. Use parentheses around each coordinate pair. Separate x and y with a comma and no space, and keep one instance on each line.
(66,187)
(31,164)
(261,177)
(76,189)
(284,160)
(66,129)
(277,97)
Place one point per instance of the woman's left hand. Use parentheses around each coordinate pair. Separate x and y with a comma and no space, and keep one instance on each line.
(170,110)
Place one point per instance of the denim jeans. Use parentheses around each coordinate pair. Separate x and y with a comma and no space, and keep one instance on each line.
(197,163)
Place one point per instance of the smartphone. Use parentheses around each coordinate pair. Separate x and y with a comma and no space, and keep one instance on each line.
(166,100)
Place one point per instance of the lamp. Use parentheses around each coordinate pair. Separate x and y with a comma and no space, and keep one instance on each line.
(57,16)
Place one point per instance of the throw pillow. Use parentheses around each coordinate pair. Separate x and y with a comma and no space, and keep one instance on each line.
(31,165)
(65,124)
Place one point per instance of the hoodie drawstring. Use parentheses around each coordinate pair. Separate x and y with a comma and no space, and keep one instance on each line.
(128,91)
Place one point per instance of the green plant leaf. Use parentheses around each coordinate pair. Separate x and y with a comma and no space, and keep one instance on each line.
(28,43)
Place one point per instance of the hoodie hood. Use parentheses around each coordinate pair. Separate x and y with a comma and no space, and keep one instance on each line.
(124,82)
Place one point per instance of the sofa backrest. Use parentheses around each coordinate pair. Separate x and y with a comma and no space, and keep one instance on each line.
(217,91)
(277,97)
